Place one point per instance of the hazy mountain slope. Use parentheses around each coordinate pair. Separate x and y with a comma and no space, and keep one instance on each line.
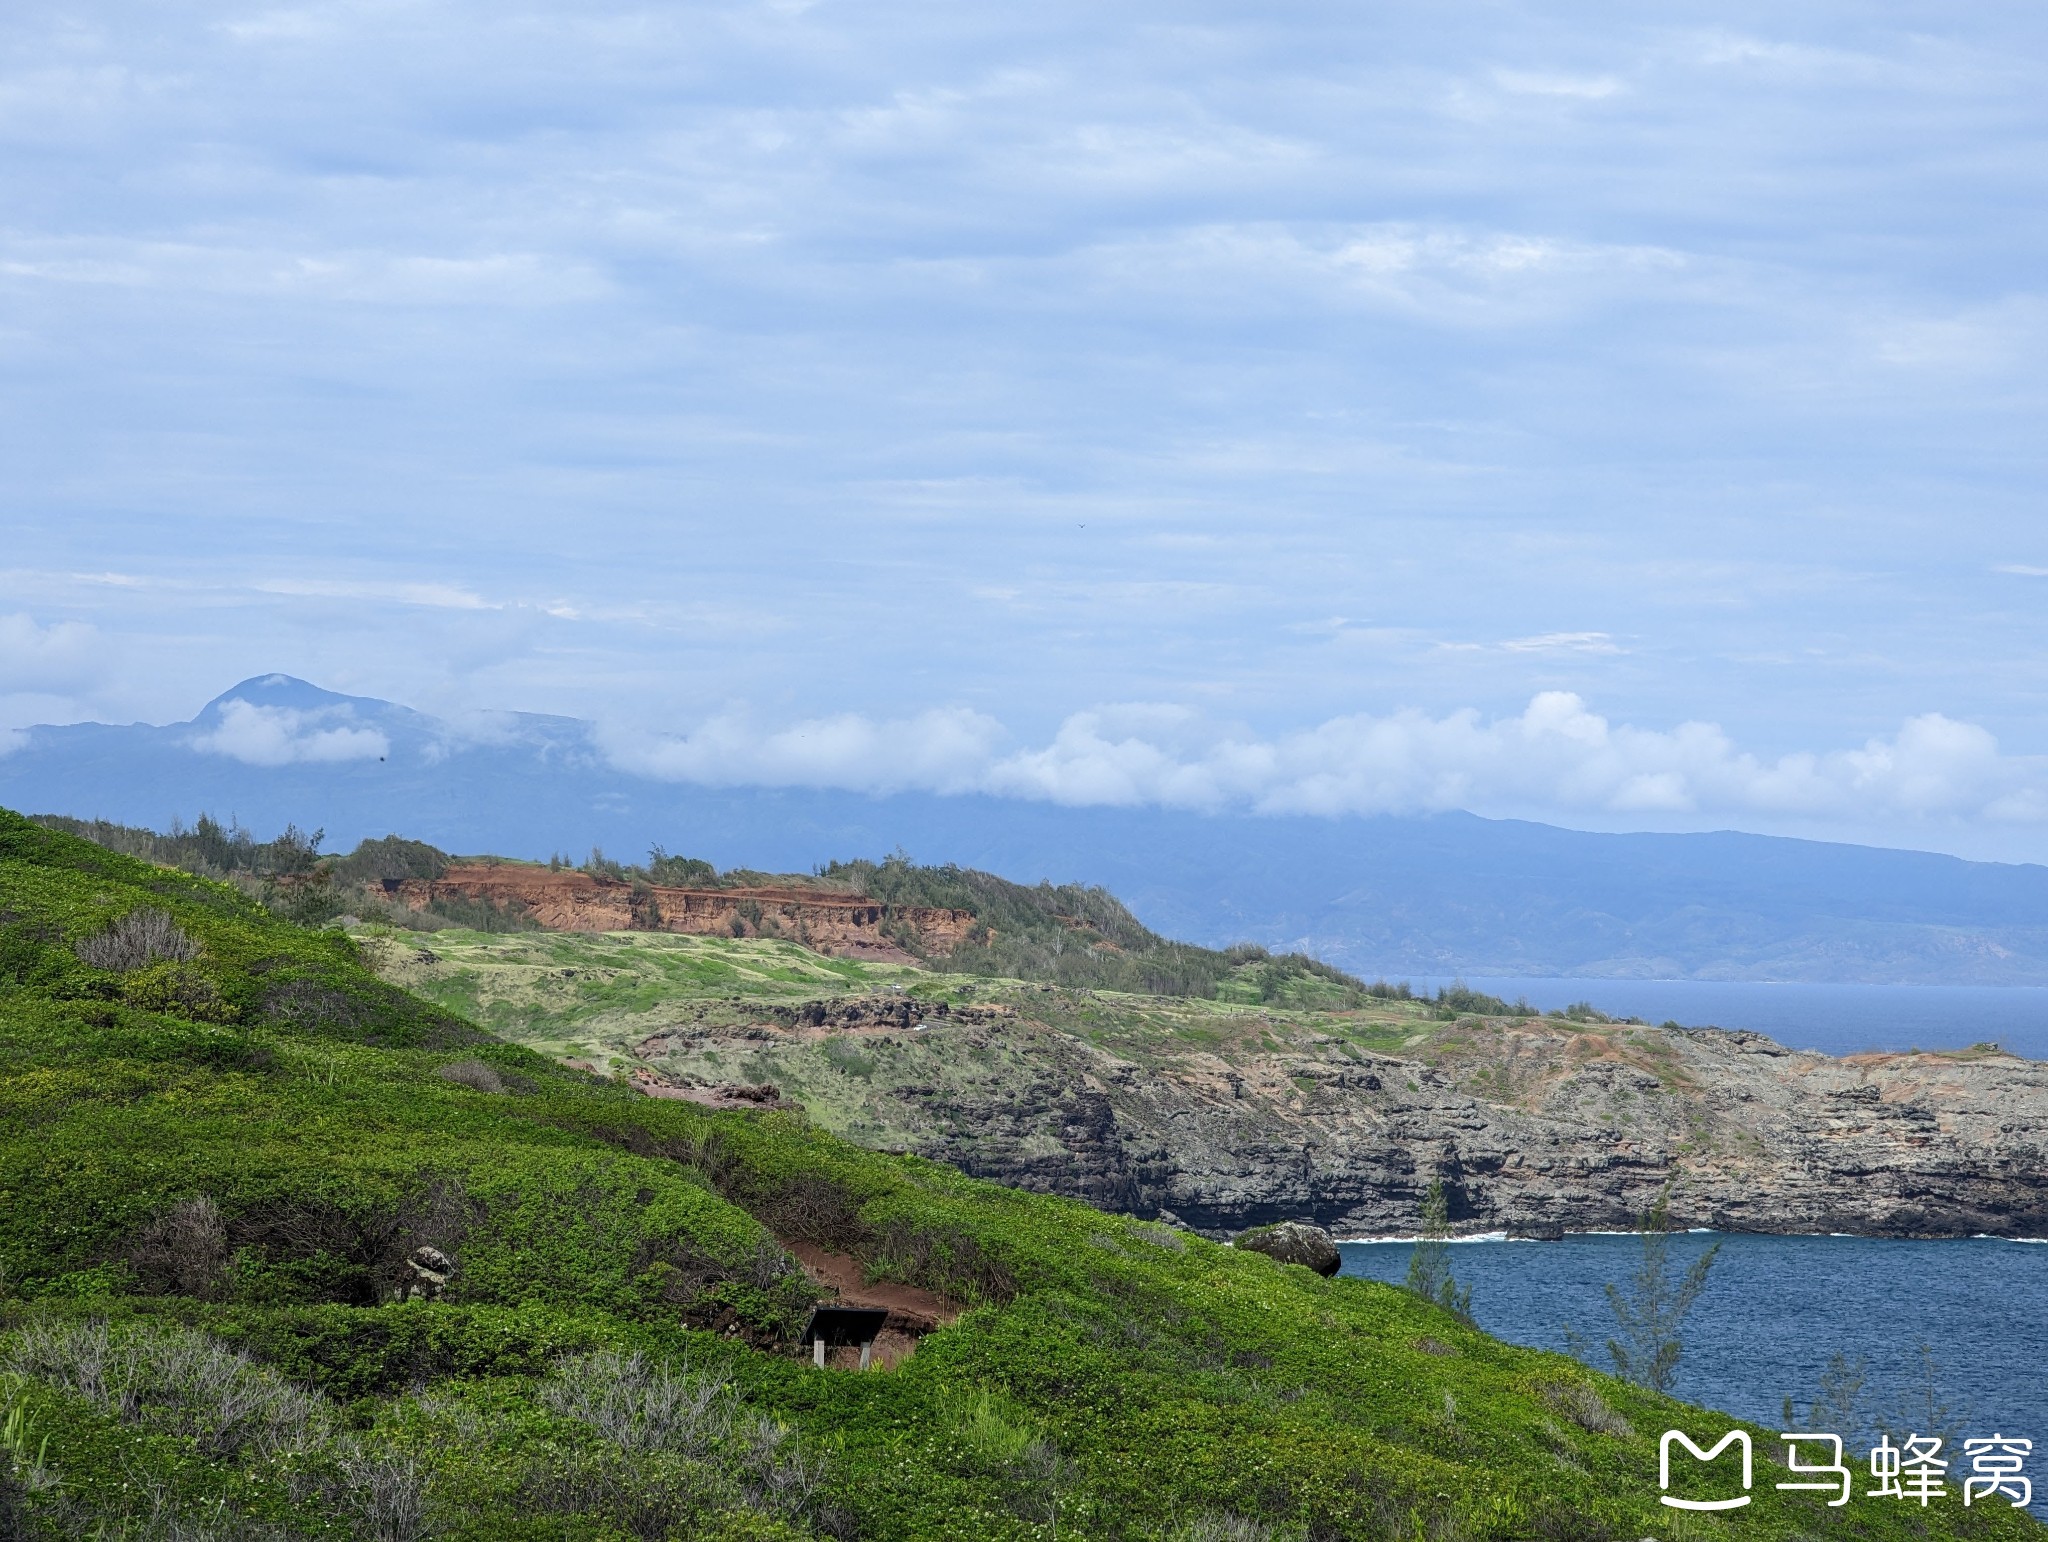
(1432,895)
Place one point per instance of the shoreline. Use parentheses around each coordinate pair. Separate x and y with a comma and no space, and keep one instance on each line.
(1690,1231)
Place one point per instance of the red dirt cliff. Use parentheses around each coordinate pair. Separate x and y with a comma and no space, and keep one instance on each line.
(843,925)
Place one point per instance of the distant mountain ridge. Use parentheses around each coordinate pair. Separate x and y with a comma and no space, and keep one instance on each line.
(1426,896)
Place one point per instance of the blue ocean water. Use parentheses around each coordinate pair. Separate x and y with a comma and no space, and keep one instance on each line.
(1776,1308)
(1836,1019)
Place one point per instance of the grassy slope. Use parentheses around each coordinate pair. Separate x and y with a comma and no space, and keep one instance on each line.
(1068,934)
(593,994)
(1079,936)
(1116,1378)
(604,992)
(599,996)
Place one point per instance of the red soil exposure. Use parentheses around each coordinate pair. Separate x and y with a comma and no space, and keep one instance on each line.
(912,1312)
(843,925)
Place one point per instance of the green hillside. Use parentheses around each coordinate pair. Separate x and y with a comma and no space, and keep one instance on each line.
(1065,934)
(222,1139)
(687,1007)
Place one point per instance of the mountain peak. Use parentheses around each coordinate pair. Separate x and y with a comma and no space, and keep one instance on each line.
(289,692)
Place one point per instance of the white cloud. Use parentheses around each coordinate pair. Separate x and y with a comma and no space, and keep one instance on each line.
(1563,642)
(1557,757)
(279,736)
(433,596)
(11,739)
(47,658)
(943,751)
(1438,273)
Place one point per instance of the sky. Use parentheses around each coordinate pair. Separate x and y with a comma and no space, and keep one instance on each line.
(1629,417)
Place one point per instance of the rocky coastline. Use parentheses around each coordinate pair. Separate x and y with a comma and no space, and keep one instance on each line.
(1536,1128)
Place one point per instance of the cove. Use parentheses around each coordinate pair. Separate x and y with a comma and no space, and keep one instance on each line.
(1776,1308)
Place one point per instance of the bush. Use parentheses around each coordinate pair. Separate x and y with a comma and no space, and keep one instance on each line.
(473,1073)
(177,988)
(183,1251)
(139,939)
(1584,1407)
(175,1380)
(1226,1528)
(387,1491)
(641,1407)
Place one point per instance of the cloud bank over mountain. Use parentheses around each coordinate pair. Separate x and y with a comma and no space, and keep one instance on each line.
(278,736)
(1189,823)
(1557,755)
(817,387)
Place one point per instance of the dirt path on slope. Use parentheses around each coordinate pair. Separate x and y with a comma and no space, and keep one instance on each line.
(912,1312)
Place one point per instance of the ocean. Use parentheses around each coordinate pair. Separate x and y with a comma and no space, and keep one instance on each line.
(1836,1019)
(1776,1308)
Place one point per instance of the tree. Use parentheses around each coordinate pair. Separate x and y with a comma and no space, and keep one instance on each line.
(1649,1312)
(1429,1266)
(1921,1409)
(1839,1406)
(1844,1404)
(295,852)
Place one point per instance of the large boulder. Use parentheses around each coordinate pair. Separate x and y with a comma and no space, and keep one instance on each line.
(1294,1242)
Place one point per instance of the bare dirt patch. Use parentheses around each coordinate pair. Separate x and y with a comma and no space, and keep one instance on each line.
(912,1312)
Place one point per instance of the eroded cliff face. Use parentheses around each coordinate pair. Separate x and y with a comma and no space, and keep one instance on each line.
(1228,1115)
(842,925)
(1535,1127)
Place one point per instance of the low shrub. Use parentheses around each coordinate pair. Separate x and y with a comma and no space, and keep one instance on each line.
(143,937)
(475,1074)
(183,1252)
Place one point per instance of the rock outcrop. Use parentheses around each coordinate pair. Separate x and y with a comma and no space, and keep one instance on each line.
(1534,1127)
(1294,1242)
(843,925)
(426,1275)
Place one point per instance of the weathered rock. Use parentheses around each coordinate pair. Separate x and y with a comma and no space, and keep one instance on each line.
(1294,1242)
(427,1273)
(1536,1127)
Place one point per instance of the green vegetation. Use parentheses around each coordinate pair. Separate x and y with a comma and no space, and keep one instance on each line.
(597,995)
(1083,937)
(289,876)
(225,1148)
(1651,1309)
(692,1008)
(1070,935)
(1429,1266)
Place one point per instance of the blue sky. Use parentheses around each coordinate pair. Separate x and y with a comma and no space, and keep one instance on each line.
(1290,406)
